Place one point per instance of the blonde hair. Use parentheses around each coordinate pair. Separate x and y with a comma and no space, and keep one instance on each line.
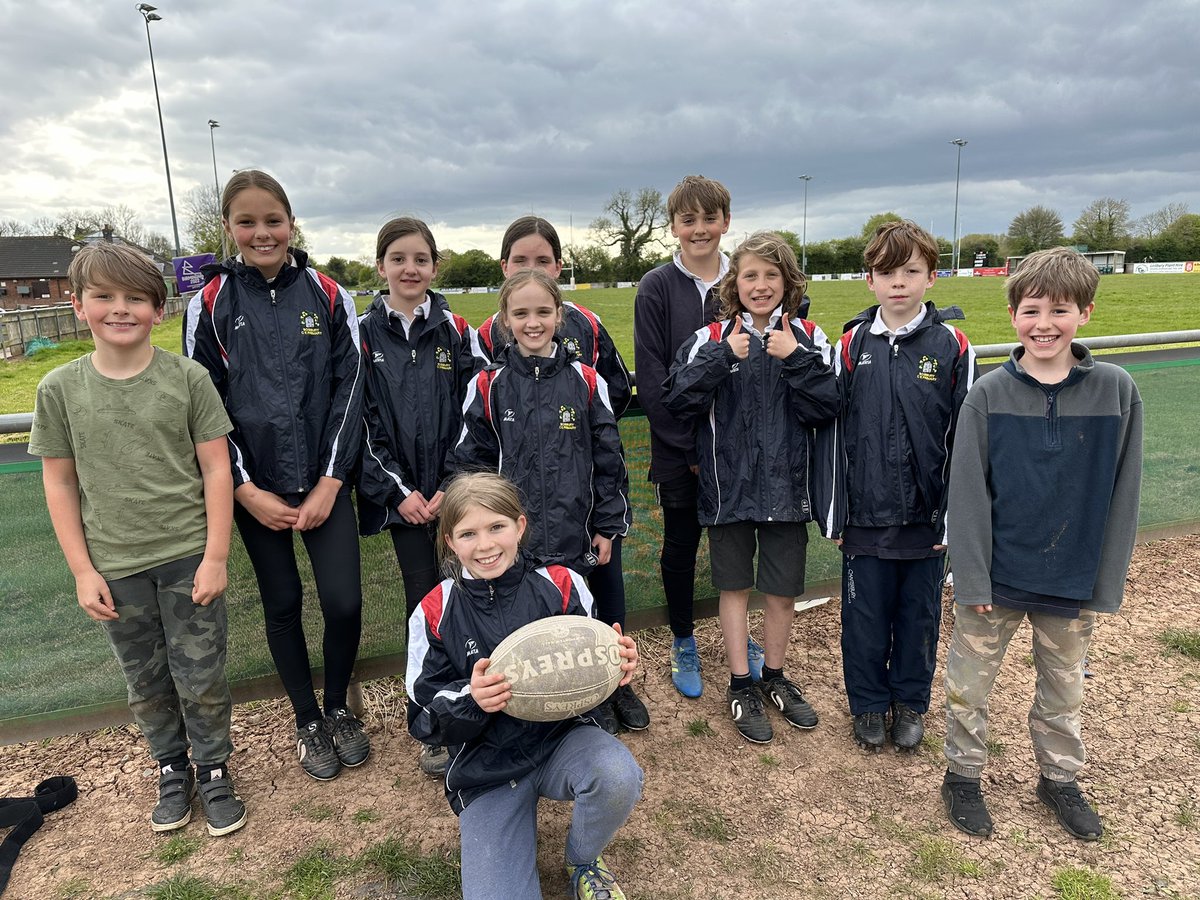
(1058,273)
(893,244)
(118,266)
(493,492)
(695,193)
(775,250)
(519,279)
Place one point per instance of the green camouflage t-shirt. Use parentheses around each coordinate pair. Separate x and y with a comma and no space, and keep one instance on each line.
(134,442)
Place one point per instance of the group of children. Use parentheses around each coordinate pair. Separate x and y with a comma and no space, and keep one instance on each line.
(758,425)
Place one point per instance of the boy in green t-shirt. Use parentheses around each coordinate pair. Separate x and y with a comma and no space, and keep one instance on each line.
(137,478)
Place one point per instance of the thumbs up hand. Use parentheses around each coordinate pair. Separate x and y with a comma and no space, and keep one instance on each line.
(739,340)
(781,343)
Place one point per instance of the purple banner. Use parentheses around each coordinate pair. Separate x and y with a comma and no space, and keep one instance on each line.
(187,271)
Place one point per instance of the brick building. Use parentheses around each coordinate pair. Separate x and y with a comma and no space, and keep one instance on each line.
(33,270)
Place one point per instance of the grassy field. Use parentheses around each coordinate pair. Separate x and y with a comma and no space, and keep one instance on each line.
(1125,304)
(50,641)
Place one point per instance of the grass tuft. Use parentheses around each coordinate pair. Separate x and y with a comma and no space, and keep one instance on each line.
(312,876)
(184,887)
(700,728)
(1182,641)
(1083,884)
(768,760)
(177,849)
(430,876)
(363,816)
(937,858)
(314,812)
(1186,815)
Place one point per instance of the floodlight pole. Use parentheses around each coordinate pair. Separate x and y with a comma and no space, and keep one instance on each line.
(150,15)
(213,124)
(804,227)
(960,143)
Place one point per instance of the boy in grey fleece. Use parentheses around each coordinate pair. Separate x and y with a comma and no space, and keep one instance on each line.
(1042,517)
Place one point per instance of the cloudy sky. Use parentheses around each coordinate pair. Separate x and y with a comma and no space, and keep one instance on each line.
(469,114)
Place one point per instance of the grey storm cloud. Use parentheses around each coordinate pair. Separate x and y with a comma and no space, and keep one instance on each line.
(470,114)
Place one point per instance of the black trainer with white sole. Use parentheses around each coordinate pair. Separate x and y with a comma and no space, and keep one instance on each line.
(746,707)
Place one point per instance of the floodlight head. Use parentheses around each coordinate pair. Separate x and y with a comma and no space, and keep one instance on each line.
(153,17)
(146,8)
(959,142)
(804,177)
(213,123)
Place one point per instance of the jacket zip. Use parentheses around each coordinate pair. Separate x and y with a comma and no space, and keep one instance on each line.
(287,391)
(537,393)
(896,429)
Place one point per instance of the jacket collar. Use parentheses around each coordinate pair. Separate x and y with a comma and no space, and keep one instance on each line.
(546,365)
(1084,365)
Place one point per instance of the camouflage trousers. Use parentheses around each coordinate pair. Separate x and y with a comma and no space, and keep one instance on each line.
(172,653)
(976,651)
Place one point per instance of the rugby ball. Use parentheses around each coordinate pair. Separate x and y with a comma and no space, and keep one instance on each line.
(558,667)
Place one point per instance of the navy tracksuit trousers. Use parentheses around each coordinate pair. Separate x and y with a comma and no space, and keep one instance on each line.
(891,613)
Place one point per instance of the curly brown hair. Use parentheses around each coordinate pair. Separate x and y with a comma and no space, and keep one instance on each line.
(775,250)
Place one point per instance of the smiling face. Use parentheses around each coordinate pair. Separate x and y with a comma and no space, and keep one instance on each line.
(261,228)
(901,291)
(699,235)
(760,288)
(409,267)
(1045,328)
(120,318)
(486,542)
(531,252)
(532,316)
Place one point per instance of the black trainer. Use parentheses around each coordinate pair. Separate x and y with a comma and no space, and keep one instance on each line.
(630,709)
(965,806)
(869,731)
(605,716)
(746,707)
(433,760)
(908,727)
(1074,812)
(788,699)
(175,792)
(223,808)
(349,739)
(316,751)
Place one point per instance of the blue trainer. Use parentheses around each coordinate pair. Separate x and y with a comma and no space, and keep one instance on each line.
(685,667)
(754,656)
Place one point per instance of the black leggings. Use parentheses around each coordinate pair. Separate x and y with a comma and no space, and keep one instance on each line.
(333,551)
(416,552)
(607,584)
(681,544)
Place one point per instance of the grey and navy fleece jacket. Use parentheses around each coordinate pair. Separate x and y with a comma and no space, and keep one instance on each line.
(1045,482)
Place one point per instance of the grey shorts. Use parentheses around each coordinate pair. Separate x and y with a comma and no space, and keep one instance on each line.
(781,555)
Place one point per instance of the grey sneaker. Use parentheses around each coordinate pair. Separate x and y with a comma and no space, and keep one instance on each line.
(223,808)
(349,739)
(175,793)
(434,759)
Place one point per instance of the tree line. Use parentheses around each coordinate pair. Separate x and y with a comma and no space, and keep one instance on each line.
(632,236)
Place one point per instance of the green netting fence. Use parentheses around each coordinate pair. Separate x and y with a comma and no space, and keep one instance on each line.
(55,665)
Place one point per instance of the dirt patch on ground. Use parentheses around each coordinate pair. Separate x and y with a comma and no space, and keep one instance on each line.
(808,816)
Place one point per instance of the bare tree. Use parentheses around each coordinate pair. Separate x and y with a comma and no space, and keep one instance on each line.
(632,225)
(1153,224)
(202,213)
(13,228)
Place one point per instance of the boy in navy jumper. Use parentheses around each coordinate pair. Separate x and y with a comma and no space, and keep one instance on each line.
(1043,515)
(672,302)
(903,373)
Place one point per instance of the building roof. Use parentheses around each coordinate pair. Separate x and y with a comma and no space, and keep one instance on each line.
(36,257)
